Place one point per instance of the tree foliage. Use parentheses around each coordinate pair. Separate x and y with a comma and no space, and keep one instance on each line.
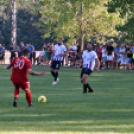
(77,19)
(126,10)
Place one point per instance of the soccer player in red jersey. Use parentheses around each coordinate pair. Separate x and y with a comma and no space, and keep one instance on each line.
(21,67)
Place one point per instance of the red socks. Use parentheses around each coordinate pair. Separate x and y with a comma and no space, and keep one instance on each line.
(29,97)
(16,93)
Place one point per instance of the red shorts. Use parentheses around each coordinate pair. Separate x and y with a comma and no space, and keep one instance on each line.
(21,84)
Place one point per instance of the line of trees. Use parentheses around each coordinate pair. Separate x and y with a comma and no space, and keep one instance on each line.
(42,21)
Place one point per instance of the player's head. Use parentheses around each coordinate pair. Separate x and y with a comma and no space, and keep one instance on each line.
(59,41)
(89,47)
(26,53)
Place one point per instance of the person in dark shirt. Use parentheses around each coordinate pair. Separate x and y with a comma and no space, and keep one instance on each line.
(12,56)
(129,57)
(110,50)
(21,48)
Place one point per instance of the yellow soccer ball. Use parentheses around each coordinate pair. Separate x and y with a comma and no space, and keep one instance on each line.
(42,99)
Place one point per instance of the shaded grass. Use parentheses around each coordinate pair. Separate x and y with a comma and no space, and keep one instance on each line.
(109,110)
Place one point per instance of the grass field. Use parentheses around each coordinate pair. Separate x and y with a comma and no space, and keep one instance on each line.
(109,110)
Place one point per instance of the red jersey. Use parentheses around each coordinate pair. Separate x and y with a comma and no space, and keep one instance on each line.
(20,66)
(99,52)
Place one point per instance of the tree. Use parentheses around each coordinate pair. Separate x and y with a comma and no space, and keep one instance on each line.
(126,10)
(77,19)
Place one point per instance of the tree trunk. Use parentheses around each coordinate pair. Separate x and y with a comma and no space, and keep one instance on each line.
(81,39)
(14,23)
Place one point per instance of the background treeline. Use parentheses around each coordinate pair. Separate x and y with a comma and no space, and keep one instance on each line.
(97,21)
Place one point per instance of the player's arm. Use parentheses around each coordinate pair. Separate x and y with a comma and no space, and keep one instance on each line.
(9,66)
(98,64)
(31,72)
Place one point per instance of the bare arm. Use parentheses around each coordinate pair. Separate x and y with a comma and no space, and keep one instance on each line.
(9,66)
(98,65)
(31,72)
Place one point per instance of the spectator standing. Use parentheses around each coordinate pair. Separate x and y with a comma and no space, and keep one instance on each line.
(32,53)
(12,53)
(129,57)
(132,49)
(41,56)
(21,48)
(46,54)
(104,56)
(66,57)
(16,50)
(122,52)
(99,53)
(72,54)
(1,50)
(78,62)
(110,50)
(117,59)
(3,54)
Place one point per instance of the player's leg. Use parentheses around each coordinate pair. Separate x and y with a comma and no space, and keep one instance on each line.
(16,93)
(26,88)
(84,76)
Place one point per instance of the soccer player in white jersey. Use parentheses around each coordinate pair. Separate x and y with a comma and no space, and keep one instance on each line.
(58,51)
(89,57)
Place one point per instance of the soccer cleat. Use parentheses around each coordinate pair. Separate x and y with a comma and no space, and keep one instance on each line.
(54,83)
(57,80)
(90,90)
(30,105)
(14,104)
(84,91)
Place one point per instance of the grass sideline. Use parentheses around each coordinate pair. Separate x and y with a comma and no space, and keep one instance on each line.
(109,110)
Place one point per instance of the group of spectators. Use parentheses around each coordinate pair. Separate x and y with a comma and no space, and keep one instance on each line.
(73,57)
(16,51)
(2,54)
(110,57)
(114,58)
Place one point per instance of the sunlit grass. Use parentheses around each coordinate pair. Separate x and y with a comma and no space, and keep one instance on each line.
(109,110)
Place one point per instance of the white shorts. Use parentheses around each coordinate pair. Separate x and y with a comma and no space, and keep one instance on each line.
(123,61)
(109,58)
(118,61)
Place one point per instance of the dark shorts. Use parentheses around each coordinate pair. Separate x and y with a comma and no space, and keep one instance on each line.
(86,71)
(55,65)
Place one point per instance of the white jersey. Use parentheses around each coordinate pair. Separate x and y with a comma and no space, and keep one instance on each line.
(59,49)
(89,59)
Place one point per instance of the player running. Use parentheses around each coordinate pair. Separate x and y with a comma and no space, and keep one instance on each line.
(58,51)
(89,56)
(22,66)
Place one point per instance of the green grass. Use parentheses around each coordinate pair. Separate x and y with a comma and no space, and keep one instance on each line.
(109,110)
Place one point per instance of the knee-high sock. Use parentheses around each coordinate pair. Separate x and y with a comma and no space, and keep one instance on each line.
(53,74)
(84,88)
(56,76)
(29,97)
(16,93)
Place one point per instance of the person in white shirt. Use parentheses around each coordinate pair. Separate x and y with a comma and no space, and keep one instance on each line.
(122,52)
(72,54)
(89,57)
(104,56)
(41,56)
(58,51)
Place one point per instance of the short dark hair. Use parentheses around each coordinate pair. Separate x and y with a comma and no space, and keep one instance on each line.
(25,52)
